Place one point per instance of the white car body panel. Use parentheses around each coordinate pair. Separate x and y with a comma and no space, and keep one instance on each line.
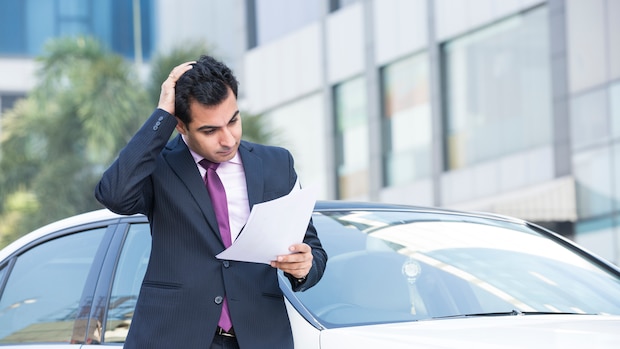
(305,335)
(506,332)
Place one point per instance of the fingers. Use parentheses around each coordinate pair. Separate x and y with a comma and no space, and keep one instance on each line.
(298,263)
(179,70)
(166,97)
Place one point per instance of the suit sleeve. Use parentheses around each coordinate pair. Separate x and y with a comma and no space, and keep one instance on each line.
(319,260)
(125,187)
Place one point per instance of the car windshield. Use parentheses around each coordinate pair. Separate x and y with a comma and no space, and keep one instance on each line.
(387,266)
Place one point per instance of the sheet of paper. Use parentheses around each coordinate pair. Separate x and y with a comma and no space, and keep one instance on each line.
(272,227)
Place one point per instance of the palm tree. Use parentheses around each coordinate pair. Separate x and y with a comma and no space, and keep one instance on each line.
(55,143)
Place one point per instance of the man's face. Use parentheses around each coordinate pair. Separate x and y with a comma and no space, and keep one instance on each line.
(215,131)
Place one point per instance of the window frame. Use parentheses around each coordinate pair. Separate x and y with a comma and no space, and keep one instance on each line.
(107,275)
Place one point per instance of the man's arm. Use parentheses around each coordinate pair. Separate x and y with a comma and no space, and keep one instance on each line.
(124,186)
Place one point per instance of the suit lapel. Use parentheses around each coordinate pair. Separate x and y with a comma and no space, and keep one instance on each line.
(182,163)
(253,167)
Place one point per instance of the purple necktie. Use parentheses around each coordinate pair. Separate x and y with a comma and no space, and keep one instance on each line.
(220,206)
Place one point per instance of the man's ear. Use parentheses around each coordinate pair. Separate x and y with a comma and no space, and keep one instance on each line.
(181,127)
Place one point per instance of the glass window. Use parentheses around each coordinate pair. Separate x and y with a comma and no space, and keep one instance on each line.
(7,101)
(592,170)
(73,8)
(335,5)
(120,26)
(613,33)
(589,120)
(26,25)
(596,235)
(38,26)
(498,90)
(73,17)
(275,18)
(614,110)
(616,176)
(352,149)
(407,130)
(305,131)
(42,295)
(407,266)
(127,280)
(11,18)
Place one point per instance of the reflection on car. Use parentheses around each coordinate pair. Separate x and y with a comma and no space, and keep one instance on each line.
(397,277)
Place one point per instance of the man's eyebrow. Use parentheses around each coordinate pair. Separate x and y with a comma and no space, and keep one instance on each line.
(234,116)
(209,127)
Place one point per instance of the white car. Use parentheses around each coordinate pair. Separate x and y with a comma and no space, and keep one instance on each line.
(397,277)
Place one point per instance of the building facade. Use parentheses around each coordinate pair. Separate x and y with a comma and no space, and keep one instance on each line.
(508,106)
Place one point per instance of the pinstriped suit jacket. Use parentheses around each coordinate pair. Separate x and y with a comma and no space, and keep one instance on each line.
(180,299)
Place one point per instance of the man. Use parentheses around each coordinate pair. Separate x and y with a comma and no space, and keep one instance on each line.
(190,299)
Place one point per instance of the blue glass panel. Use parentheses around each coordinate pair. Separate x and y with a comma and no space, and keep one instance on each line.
(12,27)
(73,8)
(40,25)
(122,31)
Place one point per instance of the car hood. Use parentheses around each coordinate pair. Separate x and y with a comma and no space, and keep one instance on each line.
(524,331)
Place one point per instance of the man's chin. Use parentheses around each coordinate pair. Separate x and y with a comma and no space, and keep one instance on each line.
(223,157)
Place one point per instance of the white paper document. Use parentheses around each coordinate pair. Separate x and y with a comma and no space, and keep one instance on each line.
(272,227)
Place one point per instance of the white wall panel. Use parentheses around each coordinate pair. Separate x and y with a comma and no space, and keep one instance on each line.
(504,174)
(480,12)
(345,43)
(400,28)
(587,61)
(18,75)
(283,70)
(450,18)
(416,193)
(453,18)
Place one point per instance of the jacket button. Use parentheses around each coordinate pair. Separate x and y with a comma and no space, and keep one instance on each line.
(226,264)
(218,300)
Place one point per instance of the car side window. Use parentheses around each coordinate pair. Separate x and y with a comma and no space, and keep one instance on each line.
(43,291)
(130,271)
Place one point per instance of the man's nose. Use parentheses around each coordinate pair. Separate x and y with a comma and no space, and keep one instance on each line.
(227,138)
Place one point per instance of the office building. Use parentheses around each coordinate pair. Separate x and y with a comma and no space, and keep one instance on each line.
(507,106)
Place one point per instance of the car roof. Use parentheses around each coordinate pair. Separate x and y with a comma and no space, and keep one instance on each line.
(102,215)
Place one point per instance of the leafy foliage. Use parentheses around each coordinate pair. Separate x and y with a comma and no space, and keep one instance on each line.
(55,143)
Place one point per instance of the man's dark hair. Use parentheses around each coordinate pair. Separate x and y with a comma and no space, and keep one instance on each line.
(207,83)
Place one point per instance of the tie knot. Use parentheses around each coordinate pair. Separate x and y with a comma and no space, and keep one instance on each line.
(208,164)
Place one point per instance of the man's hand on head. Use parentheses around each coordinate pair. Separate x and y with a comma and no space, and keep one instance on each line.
(166,97)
